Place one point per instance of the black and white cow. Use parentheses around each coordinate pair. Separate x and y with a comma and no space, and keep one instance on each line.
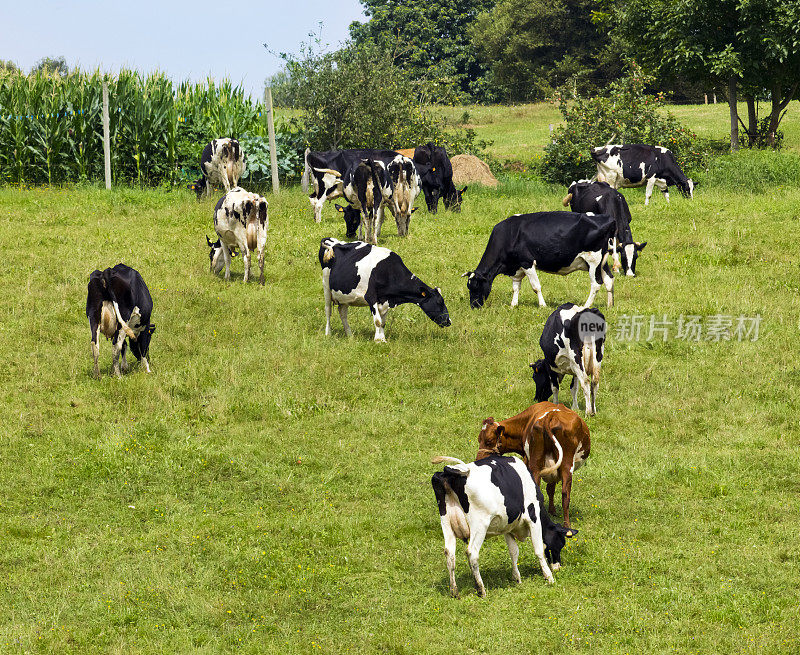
(553,242)
(638,164)
(572,341)
(352,219)
(367,186)
(489,497)
(325,169)
(406,186)
(436,178)
(362,275)
(118,306)
(221,164)
(241,222)
(601,198)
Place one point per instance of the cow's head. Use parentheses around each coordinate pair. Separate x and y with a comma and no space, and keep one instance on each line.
(479,288)
(629,253)
(432,303)
(352,219)
(216,255)
(555,538)
(490,438)
(687,188)
(541,379)
(198,186)
(452,200)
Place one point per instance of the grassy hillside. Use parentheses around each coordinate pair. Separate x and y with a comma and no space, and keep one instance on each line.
(520,132)
(266,489)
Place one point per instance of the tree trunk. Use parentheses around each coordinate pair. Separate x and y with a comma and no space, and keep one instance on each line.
(778,105)
(752,120)
(734,113)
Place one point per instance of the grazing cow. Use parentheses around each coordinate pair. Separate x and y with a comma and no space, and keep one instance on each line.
(352,219)
(602,198)
(553,440)
(553,242)
(406,186)
(638,165)
(221,164)
(325,169)
(241,222)
(572,341)
(119,305)
(436,178)
(489,497)
(363,275)
(368,187)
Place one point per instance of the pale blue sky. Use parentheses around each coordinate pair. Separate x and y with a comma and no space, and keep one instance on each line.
(184,39)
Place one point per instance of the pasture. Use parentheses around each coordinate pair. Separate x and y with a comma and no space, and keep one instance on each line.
(267,489)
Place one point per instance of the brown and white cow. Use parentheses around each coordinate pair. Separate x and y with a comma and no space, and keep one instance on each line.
(553,440)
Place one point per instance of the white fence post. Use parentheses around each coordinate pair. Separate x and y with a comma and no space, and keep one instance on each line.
(273,153)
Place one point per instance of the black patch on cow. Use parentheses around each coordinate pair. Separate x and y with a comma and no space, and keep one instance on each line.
(506,478)
(532,512)
(456,482)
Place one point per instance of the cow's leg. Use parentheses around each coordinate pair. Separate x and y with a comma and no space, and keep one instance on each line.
(533,278)
(262,244)
(379,311)
(94,328)
(380,216)
(535,530)
(450,553)
(651,182)
(662,186)
(476,537)
(513,551)
(608,281)
(326,291)
(123,361)
(116,348)
(574,389)
(343,315)
(586,385)
(247,260)
(566,489)
(516,283)
(594,261)
(551,490)
(555,383)
(226,255)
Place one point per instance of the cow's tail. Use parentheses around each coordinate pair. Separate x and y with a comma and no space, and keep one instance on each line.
(376,185)
(452,512)
(589,360)
(252,229)
(566,200)
(306,173)
(230,172)
(548,432)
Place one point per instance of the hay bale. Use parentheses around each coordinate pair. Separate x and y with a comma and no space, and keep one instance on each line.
(468,169)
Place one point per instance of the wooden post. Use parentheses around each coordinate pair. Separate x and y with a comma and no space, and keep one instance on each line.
(705,95)
(715,98)
(106,135)
(273,151)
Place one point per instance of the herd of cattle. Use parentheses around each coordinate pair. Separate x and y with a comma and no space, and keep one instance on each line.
(493,495)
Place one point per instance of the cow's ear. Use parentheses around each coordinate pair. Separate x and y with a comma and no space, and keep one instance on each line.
(423,293)
(339,208)
(568,532)
(415,209)
(640,246)
(500,430)
(463,191)
(467,274)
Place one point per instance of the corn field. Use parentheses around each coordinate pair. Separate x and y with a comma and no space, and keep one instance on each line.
(51,128)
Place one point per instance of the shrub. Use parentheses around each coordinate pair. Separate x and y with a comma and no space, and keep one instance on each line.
(625,115)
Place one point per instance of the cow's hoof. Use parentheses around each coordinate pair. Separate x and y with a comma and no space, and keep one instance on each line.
(556,566)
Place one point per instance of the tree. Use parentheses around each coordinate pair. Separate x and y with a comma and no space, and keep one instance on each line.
(357,97)
(752,45)
(536,46)
(51,66)
(429,40)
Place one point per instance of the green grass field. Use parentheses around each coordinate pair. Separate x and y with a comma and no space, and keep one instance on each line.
(267,489)
(520,132)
